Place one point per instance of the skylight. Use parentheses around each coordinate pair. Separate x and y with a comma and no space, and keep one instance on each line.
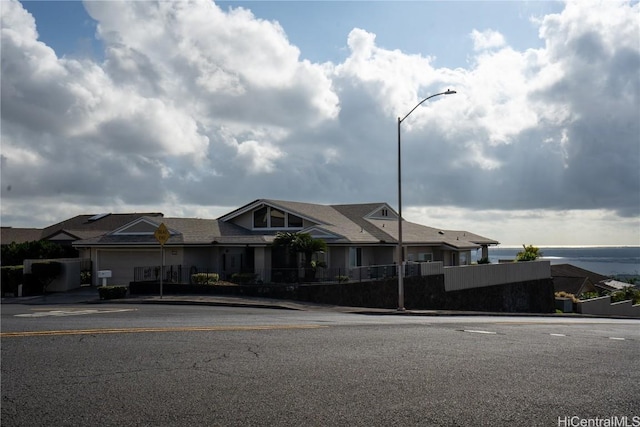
(99,216)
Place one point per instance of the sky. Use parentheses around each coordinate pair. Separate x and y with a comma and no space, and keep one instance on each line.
(195,108)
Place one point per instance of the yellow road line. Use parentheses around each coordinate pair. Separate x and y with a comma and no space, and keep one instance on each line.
(143,330)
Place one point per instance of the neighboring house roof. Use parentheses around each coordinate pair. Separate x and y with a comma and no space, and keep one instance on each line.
(613,285)
(573,285)
(10,235)
(362,224)
(576,280)
(86,226)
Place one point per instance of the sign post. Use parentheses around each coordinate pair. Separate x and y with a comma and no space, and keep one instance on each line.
(162,234)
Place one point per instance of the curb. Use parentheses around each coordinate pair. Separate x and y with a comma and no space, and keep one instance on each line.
(294,306)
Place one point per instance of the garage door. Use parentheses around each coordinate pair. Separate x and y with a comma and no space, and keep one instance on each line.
(122,263)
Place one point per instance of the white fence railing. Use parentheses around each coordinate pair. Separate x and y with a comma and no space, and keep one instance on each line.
(604,307)
(478,276)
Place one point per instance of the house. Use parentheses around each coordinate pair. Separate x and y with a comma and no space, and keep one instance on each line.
(576,280)
(357,235)
(87,226)
(70,230)
(10,235)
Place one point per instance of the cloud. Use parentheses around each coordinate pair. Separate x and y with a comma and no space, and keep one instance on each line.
(487,39)
(195,107)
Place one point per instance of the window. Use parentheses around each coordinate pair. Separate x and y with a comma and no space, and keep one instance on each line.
(294,221)
(384,212)
(277,218)
(268,217)
(425,257)
(260,218)
(463,258)
(355,257)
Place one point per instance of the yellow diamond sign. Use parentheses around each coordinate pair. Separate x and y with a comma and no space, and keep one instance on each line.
(162,234)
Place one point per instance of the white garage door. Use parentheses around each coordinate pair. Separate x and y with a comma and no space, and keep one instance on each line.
(122,263)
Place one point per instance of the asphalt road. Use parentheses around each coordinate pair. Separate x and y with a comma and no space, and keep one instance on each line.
(147,365)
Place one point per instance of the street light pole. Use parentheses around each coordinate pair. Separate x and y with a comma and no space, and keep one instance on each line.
(400,248)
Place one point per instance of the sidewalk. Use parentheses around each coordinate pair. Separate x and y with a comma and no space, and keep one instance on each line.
(89,295)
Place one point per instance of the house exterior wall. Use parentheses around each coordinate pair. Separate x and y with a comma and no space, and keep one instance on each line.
(200,257)
(383,255)
(122,262)
(235,260)
(413,253)
(338,257)
(451,258)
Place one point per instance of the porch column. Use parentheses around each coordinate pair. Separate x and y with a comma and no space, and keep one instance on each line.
(485,251)
(262,264)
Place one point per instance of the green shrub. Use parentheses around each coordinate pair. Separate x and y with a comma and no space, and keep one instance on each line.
(244,278)
(112,292)
(11,278)
(15,253)
(530,253)
(484,260)
(85,277)
(628,293)
(342,279)
(205,278)
(588,295)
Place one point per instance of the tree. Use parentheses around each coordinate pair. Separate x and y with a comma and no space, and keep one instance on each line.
(15,253)
(305,244)
(530,253)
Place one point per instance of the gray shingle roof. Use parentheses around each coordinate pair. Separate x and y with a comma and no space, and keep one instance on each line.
(9,235)
(348,223)
(564,274)
(83,227)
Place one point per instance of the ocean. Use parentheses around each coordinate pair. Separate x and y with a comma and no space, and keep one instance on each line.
(608,261)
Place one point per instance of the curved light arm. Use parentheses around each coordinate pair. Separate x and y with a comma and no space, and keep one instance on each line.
(448,92)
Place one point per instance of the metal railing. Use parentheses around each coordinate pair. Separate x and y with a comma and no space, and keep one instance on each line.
(456,277)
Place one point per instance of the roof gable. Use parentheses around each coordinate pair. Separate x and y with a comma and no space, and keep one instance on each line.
(383,211)
(141,226)
(85,226)
(63,235)
(301,210)
(320,233)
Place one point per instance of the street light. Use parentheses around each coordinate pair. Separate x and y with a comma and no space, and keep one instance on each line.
(400,248)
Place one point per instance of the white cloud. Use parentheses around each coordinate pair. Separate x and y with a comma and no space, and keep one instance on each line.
(259,157)
(196,108)
(487,39)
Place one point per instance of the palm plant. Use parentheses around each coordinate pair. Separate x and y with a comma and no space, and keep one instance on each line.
(305,244)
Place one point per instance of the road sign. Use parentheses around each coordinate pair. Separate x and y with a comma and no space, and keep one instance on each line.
(162,234)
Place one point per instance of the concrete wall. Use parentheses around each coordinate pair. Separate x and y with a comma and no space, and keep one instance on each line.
(603,307)
(482,275)
(70,275)
(428,293)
